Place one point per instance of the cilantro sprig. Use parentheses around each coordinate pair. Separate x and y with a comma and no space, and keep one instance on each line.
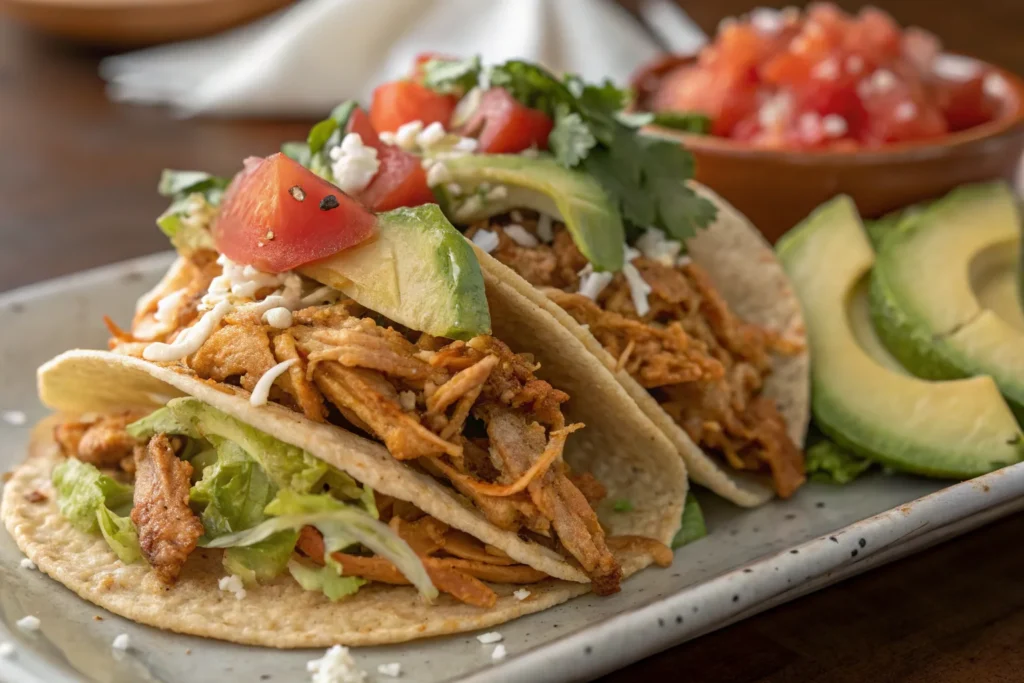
(593,133)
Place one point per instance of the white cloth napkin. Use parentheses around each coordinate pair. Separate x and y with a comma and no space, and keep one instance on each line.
(305,59)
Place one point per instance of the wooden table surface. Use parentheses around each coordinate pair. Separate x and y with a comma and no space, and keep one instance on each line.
(77,190)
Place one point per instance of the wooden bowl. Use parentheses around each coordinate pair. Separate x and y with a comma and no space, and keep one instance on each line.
(133,23)
(778,188)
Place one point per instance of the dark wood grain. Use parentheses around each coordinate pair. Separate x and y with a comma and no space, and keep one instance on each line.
(77,179)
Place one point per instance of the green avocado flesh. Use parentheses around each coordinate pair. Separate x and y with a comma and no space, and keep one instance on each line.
(543,185)
(942,291)
(420,272)
(956,429)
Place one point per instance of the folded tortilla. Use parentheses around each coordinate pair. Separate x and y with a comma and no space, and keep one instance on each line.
(746,273)
(620,446)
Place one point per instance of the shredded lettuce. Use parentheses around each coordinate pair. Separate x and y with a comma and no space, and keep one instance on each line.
(830,463)
(232,492)
(195,196)
(692,526)
(287,466)
(326,579)
(96,503)
(342,525)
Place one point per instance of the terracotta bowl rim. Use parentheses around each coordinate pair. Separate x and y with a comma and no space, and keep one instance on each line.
(1009,123)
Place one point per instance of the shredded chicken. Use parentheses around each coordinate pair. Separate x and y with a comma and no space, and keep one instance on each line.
(235,352)
(168,529)
(703,364)
(303,394)
(103,442)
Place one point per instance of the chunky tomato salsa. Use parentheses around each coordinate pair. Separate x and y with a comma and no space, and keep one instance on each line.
(827,79)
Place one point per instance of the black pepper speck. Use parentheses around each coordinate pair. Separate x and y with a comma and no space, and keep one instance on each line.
(853,553)
(735,598)
(862,542)
(748,570)
(833,539)
(587,650)
(661,622)
(679,618)
(695,609)
(794,551)
(791,516)
(819,504)
(329,202)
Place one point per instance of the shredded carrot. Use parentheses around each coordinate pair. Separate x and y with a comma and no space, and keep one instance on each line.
(551,453)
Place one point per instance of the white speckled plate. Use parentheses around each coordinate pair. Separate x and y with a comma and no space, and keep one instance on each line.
(752,560)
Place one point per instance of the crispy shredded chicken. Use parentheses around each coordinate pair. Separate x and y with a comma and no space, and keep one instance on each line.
(102,442)
(168,529)
(472,413)
(702,363)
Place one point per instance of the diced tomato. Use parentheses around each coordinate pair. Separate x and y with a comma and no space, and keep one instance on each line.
(725,98)
(277,215)
(399,102)
(965,104)
(874,33)
(401,180)
(504,126)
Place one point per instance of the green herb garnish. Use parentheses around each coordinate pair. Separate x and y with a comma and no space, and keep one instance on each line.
(644,175)
(622,505)
(687,122)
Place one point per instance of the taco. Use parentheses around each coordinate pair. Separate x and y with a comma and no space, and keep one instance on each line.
(310,420)
(670,287)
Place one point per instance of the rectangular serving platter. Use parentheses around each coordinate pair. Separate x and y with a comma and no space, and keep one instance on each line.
(751,561)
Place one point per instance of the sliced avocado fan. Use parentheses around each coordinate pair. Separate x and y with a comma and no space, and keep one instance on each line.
(541,184)
(942,290)
(955,429)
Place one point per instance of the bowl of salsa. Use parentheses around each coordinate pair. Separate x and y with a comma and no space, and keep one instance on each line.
(798,107)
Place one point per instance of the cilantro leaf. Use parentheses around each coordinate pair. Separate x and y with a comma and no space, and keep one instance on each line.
(570,139)
(623,505)
(452,75)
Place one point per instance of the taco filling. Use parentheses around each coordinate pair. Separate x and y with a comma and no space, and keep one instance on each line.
(667,326)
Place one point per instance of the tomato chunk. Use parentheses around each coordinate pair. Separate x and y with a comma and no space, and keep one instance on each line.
(277,215)
(504,126)
(401,180)
(400,102)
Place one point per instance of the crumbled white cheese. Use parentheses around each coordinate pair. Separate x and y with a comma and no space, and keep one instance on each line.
(879,82)
(638,287)
(387,137)
(29,624)
(392,670)
(336,666)
(834,125)
(654,245)
(260,394)
(407,399)
(545,231)
(405,136)
(438,174)
(190,339)
(14,417)
(810,126)
(497,193)
(467,145)
(279,317)
(854,64)
(431,136)
(26,563)
(470,207)
(122,642)
(353,164)
(498,653)
(905,111)
(487,240)
(592,284)
(237,283)
(827,70)
(488,638)
(521,594)
(454,189)
(6,650)
(232,583)
(520,235)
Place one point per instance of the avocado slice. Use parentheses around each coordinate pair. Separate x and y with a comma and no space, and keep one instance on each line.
(942,290)
(420,272)
(543,185)
(955,429)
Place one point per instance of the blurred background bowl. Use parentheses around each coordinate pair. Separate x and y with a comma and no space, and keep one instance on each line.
(777,188)
(134,23)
